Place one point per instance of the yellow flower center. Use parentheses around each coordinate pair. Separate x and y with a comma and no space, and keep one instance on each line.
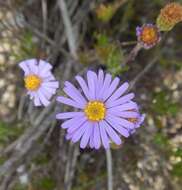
(149,35)
(32,82)
(95,111)
(133,120)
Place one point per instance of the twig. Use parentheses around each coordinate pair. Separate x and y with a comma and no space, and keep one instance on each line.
(68,166)
(46,38)
(44,16)
(132,54)
(143,72)
(11,164)
(20,107)
(68,28)
(73,166)
(119,3)
(129,43)
(109,169)
(42,114)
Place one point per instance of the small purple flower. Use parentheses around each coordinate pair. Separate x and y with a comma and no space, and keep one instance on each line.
(39,81)
(103,111)
(148,35)
(137,121)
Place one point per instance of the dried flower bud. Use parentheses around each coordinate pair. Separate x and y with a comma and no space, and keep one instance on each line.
(148,35)
(105,12)
(169,16)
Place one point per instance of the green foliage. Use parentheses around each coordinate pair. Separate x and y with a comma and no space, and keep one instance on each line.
(105,12)
(20,187)
(8,132)
(45,184)
(41,159)
(109,54)
(159,2)
(2,160)
(161,140)
(88,182)
(168,63)
(178,153)
(163,105)
(177,167)
(128,14)
(27,48)
(102,39)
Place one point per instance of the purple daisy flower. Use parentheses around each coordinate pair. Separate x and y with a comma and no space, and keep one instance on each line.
(39,81)
(103,111)
(148,35)
(137,121)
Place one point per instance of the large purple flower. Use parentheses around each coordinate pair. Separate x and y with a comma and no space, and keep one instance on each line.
(104,112)
(39,81)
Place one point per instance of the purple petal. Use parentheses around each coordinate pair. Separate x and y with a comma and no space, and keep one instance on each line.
(51,84)
(77,125)
(120,121)
(25,68)
(44,67)
(100,82)
(83,86)
(141,119)
(97,140)
(124,114)
(37,101)
(73,123)
(123,99)
(118,92)
(105,86)
(74,97)
(43,99)
(86,135)
(111,133)
(49,90)
(124,107)
(45,93)
(75,90)
(91,78)
(68,115)
(104,137)
(33,66)
(69,102)
(69,136)
(111,89)
(49,77)
(78,134)
(138,30)
(73,93)
(116,124)
(91,141)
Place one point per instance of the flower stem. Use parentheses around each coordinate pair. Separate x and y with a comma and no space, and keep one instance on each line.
(109,169)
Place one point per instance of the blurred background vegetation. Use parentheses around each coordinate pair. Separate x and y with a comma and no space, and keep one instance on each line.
(105,34)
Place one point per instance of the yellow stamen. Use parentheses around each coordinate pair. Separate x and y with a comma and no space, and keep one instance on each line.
(133,120)
(95,111)
(32,82)
(149,35)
